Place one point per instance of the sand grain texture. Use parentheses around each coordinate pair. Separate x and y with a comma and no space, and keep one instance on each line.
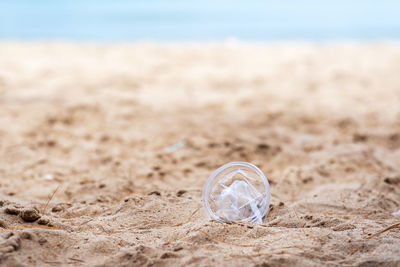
(95,121)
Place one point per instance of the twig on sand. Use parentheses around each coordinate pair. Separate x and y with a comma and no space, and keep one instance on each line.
(85,222)
(396,225)
(51,197)
(78,260)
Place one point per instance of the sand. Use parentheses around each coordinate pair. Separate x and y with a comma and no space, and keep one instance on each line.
(122,138)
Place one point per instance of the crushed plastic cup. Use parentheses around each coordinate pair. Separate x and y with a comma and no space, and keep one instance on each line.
(237,192)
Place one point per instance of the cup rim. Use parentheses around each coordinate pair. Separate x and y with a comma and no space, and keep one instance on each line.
(264,210)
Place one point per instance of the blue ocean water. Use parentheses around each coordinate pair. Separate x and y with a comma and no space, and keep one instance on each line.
(206,20)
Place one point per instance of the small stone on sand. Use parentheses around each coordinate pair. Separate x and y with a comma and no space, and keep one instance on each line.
(30,215)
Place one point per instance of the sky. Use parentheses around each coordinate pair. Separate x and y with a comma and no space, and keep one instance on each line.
(207,20)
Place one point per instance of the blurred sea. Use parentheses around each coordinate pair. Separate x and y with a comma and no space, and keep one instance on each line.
(206,20)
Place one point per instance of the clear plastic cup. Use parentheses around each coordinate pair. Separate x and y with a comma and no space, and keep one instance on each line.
(237,192)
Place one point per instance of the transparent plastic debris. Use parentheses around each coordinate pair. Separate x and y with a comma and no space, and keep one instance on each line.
(175,147)
(237,192)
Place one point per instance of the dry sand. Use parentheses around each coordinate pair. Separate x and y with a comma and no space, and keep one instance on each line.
(94,122)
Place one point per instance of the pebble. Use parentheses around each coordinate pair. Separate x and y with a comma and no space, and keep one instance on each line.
(26,235)
(43,220)
(3,224)
(30,215)
(180,192)
(57,208)
(12,210)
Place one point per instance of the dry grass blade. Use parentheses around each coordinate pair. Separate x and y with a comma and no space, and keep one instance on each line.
(78,260)
(396,225)
(301,224)
(190,217)
(51,197)
(304,224)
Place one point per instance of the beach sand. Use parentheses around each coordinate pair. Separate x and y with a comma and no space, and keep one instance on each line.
(90,173)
